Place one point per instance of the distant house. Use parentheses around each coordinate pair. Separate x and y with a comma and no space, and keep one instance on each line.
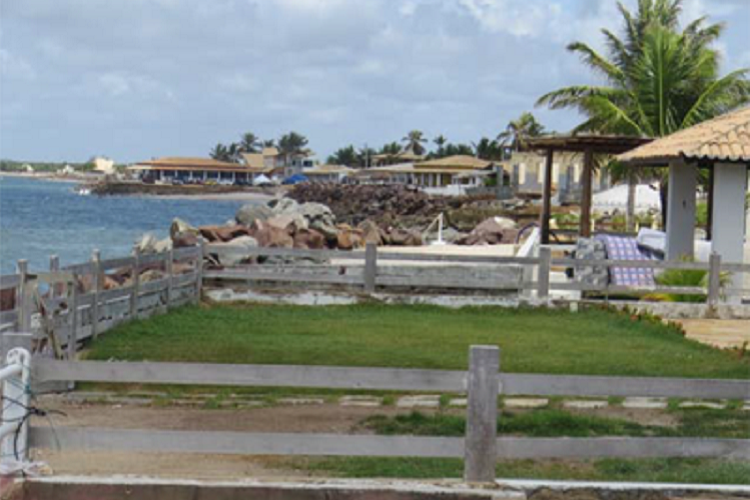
(67,170)
(449,175)
(104,165)
(328,173)
(400,158)
(170,169)
(28,168)
(279,164)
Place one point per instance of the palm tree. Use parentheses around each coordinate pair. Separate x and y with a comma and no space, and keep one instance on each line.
(487,149)
(660,79)
(269,143)
(293,144)
(414,140)
(518,131)
(392,149)
(440,141)
(344,156)
(219,152)
(249,143)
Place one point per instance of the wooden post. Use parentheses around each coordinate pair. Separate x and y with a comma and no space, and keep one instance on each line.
(73,312)
(546,199)
(545,262)
(199,264)
(56,289)
(96,269)
(22,297)
(136,280)
(584,228)
(169,267)
(480,444)
(371,266)
(714,279)
(710,205)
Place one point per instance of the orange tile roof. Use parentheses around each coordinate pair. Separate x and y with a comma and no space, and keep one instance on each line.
(724,138)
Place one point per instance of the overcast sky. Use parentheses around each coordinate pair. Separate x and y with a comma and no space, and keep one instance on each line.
(138,79)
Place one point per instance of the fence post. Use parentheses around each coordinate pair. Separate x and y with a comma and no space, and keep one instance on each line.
(714,279)
(16,392)
(545,263)
(22,297)
(56,289)
(199,270)
(371,266)
(97,281)
(169,268)
(480,444)
(73,312)
(136,279)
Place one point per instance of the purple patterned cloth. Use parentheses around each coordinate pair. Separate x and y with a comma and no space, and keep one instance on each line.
(624,248)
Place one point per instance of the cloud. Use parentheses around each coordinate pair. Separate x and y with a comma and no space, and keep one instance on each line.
(174,77)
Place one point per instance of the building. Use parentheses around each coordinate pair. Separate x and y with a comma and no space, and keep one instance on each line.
(278,164)
(396,159)
(193,170)
(104,165)
(328,173)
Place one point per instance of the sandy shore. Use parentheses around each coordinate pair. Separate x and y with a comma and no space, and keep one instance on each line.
(46,177)
(235,196)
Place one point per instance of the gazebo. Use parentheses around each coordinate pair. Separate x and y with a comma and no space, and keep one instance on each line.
(721,145)
(589,145)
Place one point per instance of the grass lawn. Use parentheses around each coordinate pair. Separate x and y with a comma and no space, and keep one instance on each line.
(668,470)
(592,341)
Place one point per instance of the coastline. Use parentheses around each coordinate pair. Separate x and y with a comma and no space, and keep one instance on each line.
(234,196)
(45,177)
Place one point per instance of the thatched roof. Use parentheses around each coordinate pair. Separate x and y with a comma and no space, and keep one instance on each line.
(598,143)
(456,162)
(725,138)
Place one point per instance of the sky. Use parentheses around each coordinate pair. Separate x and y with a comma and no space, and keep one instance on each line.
(139,79)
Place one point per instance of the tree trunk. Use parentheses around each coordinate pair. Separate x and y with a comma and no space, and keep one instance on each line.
(630,213)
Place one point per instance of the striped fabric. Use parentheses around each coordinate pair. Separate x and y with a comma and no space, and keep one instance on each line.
(624,248)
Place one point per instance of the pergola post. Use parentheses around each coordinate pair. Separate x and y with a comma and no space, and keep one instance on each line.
(584,229)
(681,210)
(728,224)
(546,198)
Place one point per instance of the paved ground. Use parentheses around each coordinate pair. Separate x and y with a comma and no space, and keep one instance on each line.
(722,333)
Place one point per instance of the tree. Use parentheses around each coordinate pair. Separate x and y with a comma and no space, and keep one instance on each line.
(364,157)
(269,143)
(518,131)
(219,152)
(458,149)
(249,143)
(392,148)
(659,79)
(414,141)
(293,144)
(440,141)
(490,150)
(344,156)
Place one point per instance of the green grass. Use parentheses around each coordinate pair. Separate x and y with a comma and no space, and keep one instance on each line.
(669,470)
(592,341)
(559,423)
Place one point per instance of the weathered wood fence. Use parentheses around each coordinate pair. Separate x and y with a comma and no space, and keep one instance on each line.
(480,447)
(64,306)
(372,270)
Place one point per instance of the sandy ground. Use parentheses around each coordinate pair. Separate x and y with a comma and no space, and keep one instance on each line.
(721,333)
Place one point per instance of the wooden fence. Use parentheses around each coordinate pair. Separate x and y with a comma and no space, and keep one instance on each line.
(480,447)
(371,270)
(81,301)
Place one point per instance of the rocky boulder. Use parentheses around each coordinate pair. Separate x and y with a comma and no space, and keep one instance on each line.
(224,233)
(271,236)
(148,243)
(403,237)
(492,231)
(371,233)
(291,222)
(309,239)
(251,212)
(179,226)
(234,252)
(348,238)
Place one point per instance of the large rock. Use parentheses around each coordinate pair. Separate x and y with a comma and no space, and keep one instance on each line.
(224,233)
(283,206)
(251,212)
(348,238)
(371,233)
(492,231)
(291,222)
(270,236)
(404,237)
(309,239)
(179,226)
(235,251)
(148,243)
(181,240)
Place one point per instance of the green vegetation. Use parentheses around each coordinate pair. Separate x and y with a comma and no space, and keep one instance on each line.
(558,423)
(671,470)
(592,341)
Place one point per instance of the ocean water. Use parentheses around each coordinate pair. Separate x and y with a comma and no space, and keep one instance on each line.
(39,218)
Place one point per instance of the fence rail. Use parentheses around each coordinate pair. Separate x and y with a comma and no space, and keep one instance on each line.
(372,269)
(480,447)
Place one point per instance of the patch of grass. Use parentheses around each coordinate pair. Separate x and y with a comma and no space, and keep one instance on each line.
(558,423)
(589,342)
(670,470)
(536,423)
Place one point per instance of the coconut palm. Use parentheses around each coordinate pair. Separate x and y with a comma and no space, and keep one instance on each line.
(219,152)
(440,141)
(293,144)
(519,130)
(659,79)
(249,143)
(414,141)
(344,156)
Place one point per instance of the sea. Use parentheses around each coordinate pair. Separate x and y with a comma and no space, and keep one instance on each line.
(39,218)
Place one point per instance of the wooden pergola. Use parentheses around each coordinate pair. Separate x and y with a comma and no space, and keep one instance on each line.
(589,145)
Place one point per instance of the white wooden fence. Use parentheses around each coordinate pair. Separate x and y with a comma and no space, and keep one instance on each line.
(373,270)
(72,304)
(480,447)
